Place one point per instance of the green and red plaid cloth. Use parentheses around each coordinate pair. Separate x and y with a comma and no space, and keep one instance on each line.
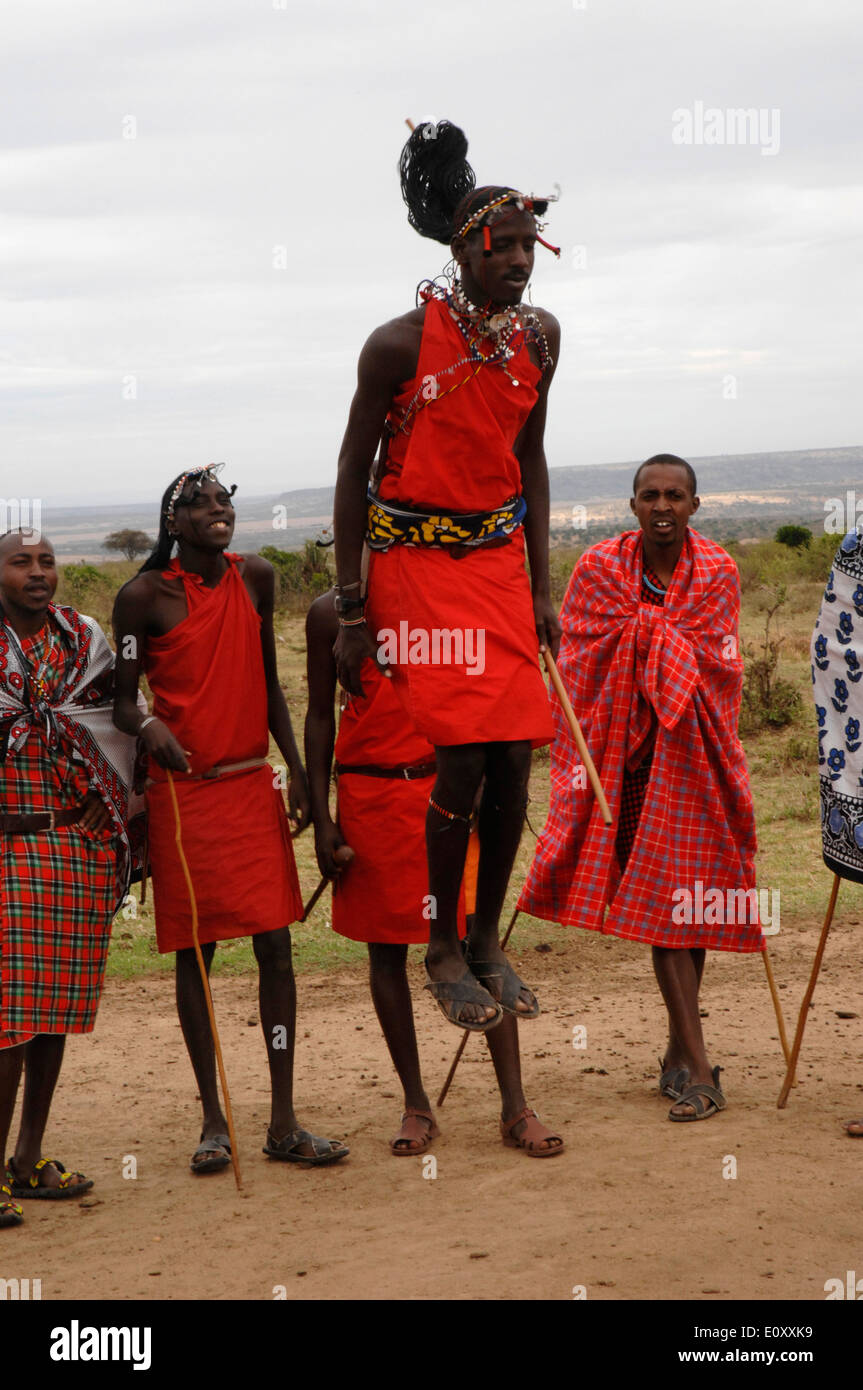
(636,671)
(58,888)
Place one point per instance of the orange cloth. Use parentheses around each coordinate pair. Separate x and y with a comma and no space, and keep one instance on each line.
(471,868)
(382,895)
(208,683)
(458,456)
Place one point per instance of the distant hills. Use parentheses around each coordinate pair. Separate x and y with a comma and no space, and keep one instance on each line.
(741,494)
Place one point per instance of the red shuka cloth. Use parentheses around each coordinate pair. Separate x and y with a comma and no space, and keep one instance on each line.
(208,684)
(383,893)
(458,455)
(620,658)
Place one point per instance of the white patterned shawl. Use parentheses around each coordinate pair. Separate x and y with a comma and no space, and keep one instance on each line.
(80,713)
(837,679)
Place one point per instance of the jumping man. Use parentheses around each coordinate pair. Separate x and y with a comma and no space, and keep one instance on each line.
(455,391)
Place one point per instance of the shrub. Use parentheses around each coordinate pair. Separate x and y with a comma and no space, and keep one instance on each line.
(300,573)
(768,699)
(794,536)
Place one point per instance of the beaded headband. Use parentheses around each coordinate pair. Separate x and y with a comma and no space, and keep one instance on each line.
(524,202)
(205,473)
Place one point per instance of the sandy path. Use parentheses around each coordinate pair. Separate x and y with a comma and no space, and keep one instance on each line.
(617,1213)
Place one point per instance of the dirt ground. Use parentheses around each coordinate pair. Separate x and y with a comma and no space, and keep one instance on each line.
(635,1208)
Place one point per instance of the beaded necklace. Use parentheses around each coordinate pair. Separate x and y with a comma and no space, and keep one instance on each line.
(36,679)
(477,325)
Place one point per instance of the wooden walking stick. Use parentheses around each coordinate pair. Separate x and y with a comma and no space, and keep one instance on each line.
(807,998)
(575,730)
(235,1162)
(343,855)
(467,1032)
(314,898)
(780,1017)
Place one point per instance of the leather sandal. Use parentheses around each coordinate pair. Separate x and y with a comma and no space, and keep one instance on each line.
(532,1136)
(10,1212)
(413,1146)
(212,1155)
(323,1150)
(510,984)
(447,993)
(696,1096)
(33,1188)
(672,1083)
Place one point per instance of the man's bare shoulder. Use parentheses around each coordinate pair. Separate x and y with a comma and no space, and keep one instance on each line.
(404,331)
(390,354)
(550,325)
(140,591)
(256,566)
(322,623)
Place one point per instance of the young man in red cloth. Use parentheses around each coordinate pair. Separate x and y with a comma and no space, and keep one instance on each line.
(200,627)
(456,390)
(65,776)
(650,658)
(385,771)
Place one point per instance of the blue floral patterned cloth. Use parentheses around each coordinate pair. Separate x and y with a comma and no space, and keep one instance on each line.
(837,679)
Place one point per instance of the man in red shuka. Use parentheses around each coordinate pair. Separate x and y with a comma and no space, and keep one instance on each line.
(456,390)
(373,852)
(650,658)
(200,627)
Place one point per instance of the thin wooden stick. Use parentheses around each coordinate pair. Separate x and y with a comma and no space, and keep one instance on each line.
(575,729)
(235,1161)
(314,898)
(409,123)
(807,998)
(452,1071)
(780,1017)
(467,1032)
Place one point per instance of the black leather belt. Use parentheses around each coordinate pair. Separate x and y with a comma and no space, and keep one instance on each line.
(406,774)
(39,820)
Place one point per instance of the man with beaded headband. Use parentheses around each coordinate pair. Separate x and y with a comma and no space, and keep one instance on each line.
(455,391)
(200,627)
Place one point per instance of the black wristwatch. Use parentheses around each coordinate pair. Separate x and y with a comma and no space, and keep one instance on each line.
(345,606)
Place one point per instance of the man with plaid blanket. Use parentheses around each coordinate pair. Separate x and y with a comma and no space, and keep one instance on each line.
(65,774)
(650,659)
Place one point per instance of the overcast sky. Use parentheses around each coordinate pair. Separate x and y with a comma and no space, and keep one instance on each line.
(154,156)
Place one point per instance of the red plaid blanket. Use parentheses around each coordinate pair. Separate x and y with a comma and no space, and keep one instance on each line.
(691,862)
